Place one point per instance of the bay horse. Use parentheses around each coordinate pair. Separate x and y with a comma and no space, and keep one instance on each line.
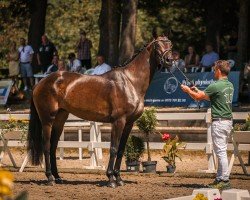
(116,97)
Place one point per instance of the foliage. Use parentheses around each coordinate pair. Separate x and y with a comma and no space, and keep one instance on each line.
(200,197)
(148,121)
(14,21)
(65,19)
(13,125)
(134,148)
(243,127)
(6,183)
(171,148)
(186,19)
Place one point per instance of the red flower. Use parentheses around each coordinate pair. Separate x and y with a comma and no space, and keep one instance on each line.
(165,136)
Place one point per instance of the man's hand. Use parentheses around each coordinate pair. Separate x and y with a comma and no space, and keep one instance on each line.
(185,88)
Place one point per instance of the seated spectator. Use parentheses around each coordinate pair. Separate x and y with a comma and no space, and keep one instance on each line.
(62,65)
(74,63)
(191,60)
(177,62)
(54,66)
(102,67)
(208,59)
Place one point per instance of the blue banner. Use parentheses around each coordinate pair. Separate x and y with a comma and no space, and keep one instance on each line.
(165,90)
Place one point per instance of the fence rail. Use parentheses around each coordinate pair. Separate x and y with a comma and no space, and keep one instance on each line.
(95,145)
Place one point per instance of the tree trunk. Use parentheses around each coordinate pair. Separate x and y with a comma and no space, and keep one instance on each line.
(103,26)
(148,150)
(243,33)
(109,23)
(214,16)
(37,22)
(128,31)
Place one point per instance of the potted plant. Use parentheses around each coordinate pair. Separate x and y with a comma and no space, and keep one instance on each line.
(146,124)
(240,130)
(133,151)
(171,151)
(243,127)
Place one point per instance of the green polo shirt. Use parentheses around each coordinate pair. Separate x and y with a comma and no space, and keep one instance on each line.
(221,97)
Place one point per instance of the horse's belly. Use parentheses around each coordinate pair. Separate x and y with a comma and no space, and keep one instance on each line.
(90,110)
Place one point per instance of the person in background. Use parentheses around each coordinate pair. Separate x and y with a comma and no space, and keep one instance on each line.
(102,67)
(191,59)
(177,62)
(84,46)
(62,65)
(74,64)
(26,54)
(220,94)
(45,53)
(54,66)
(13,59)
(208,59)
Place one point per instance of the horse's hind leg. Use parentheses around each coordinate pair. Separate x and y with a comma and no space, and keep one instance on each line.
(57,129)
(46,140)
(127,129)
(117,129)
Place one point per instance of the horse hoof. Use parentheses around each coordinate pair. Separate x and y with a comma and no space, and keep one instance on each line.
(120,183)
(112,185)
(50,183)
(58,181)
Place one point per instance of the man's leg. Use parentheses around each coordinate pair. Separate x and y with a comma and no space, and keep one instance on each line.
(30,74)
(220,133)
(24,75)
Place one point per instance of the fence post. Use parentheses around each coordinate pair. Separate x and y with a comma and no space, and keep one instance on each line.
(209,147)
(80,140)
(62,149)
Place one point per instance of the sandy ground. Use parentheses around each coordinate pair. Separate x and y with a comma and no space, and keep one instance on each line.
(84,184)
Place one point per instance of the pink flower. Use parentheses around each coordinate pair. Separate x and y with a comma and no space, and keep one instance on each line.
(165,136)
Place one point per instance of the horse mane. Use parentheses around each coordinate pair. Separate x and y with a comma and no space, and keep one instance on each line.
(133,57)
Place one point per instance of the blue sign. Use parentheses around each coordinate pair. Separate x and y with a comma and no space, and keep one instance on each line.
(165,90)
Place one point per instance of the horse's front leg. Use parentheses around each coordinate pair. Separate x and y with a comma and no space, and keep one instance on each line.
(46,141)
(117,129)
(120,152)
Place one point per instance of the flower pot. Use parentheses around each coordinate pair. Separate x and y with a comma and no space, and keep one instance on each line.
(149,166)
(133,166)
(171,169)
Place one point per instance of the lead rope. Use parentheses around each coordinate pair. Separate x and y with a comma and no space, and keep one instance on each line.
(191,83)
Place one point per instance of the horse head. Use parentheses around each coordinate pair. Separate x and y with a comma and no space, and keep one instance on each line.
(161,49)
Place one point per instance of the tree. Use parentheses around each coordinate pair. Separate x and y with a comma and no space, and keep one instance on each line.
(109,24)
(243,32)
(37,22)
(214,15)
(128,30)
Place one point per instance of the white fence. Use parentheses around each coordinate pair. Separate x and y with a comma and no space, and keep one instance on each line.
(95,144)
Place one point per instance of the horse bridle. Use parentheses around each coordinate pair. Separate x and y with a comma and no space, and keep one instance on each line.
(163,61)
(162,58)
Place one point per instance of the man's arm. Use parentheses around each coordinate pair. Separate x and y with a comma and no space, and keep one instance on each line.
(195,93)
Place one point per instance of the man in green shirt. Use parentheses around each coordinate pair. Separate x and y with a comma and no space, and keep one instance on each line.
(220,94)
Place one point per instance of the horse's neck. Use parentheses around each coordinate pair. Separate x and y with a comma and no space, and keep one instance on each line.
(139,72)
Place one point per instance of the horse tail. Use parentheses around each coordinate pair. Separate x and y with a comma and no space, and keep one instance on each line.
(35,140)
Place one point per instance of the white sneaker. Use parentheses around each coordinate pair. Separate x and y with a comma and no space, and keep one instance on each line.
(25,88)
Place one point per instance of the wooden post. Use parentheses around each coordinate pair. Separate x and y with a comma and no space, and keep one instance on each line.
(93,157)
(62,149)
(80,140)
(209,146)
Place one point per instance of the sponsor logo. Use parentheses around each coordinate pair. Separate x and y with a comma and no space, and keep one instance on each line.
(170,86)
